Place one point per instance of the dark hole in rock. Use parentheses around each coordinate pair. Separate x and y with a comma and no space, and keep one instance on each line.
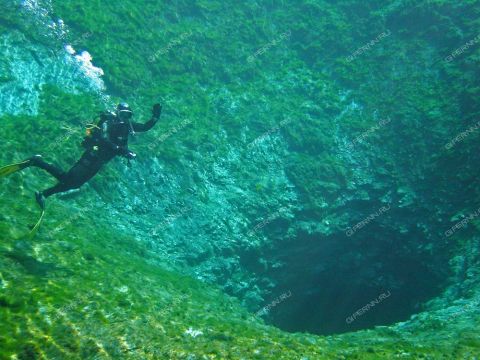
(338,284)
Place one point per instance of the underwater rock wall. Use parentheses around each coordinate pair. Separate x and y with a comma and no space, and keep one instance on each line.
(288,149)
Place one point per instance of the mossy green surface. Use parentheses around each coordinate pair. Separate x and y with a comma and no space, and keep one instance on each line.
(86,292)
(82,290)
(88,288)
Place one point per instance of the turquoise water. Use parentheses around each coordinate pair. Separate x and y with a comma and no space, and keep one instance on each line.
(309,192)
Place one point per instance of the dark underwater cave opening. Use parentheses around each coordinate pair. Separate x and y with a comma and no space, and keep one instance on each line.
(338,284)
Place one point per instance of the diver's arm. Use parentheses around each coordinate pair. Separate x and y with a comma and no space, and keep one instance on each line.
(122,150)
(156,111)
(138,127)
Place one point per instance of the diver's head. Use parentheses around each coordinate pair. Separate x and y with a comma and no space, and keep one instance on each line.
(124,112)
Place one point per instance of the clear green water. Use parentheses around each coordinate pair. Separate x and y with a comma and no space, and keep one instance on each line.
(310,191)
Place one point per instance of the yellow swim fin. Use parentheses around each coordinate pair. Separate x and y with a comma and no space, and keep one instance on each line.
(12,168)
(34,231)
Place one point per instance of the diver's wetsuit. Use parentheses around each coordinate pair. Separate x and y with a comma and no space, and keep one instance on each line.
(110,140)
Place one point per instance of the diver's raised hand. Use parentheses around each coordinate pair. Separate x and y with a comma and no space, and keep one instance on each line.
(156,111)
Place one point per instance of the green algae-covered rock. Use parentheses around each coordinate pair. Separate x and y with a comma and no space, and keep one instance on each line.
(316,148)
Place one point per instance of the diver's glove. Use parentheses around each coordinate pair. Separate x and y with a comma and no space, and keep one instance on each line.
(125,152)
(130,155)
(156,111)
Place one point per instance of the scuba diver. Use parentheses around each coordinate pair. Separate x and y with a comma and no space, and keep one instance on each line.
(104,141)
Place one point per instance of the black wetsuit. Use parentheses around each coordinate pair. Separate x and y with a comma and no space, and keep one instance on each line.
(110,140)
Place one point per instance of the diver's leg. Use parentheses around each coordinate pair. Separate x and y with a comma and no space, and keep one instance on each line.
(41,196)
(79,174)
(87,167)
(37,161)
